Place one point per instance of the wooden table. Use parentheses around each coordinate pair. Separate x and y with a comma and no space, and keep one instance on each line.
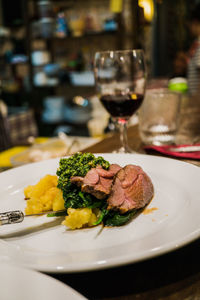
(174,276)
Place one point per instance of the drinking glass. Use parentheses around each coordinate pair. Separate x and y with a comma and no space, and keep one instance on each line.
(120,79)
(159,117)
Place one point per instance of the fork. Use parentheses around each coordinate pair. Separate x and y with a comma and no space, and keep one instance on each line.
(17,216)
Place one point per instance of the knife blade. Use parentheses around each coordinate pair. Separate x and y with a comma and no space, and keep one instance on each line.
(192,148)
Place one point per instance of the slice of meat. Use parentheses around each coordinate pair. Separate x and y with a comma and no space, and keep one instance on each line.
(97,181)
(132,189)
(91,178)
(78,180)
(114,168)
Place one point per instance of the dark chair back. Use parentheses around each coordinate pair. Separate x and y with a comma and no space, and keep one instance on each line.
(5,141)
(17,128)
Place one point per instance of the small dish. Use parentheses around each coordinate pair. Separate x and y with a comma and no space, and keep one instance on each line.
(55,147)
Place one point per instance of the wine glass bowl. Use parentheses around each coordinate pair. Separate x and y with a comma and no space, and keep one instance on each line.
(120,79)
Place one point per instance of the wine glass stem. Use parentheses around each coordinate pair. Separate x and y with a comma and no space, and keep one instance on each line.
(122,124)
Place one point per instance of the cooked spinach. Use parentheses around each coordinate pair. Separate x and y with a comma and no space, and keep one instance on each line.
(114,218)
(103,212)
(57,214)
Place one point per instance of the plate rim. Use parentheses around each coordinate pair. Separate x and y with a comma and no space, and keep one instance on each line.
(34,274)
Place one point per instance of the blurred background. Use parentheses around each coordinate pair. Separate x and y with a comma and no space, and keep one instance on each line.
(47,50)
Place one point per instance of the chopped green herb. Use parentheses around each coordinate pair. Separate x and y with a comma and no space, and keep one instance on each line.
(78,165)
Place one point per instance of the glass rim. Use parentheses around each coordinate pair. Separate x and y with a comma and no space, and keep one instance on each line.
(119,51)
(161,90)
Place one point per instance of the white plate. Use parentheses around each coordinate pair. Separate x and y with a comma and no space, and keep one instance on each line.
(43,244)
(22,284)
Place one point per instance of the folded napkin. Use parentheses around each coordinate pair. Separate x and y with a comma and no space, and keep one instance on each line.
(167,151)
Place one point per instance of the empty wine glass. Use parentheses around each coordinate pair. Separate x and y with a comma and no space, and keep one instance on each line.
(120,78)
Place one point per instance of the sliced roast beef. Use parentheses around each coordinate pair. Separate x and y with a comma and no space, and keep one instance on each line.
(97,181)
(132,189)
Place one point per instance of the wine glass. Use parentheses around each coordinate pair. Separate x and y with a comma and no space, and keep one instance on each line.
(120,78)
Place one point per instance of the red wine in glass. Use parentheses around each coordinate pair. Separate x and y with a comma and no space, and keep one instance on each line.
(122,105)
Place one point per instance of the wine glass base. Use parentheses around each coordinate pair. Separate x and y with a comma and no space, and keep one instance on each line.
(124,150)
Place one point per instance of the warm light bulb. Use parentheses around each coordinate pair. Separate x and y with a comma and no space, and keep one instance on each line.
(148,7)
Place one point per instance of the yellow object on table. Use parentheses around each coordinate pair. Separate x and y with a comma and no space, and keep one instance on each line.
(6,155)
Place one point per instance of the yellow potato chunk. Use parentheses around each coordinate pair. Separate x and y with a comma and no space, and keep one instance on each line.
(80,217)
(43,196)
(58,202)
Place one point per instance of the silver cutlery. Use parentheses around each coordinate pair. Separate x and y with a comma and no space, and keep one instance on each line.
(186,148)
(17,216)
